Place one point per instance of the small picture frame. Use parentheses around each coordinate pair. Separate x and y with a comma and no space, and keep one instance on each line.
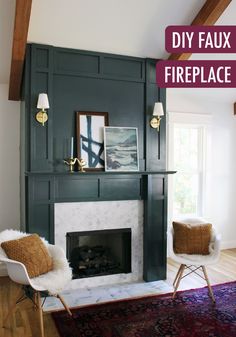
(90,138)
(121,149)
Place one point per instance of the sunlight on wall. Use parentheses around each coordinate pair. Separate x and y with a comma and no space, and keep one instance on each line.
(10,161)
(220,204)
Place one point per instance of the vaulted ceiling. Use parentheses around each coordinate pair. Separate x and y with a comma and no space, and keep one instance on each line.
(128,27)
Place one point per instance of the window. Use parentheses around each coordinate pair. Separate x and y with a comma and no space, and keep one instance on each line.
(188,149)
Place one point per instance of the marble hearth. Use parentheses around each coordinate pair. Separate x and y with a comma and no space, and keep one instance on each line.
(90,216)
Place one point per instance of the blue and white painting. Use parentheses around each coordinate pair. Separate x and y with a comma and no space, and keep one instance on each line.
(92,140)
(121,149)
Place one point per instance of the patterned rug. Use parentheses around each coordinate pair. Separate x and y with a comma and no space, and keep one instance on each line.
(190,314)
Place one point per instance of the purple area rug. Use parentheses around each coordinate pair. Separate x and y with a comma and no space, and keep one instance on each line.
(190,314)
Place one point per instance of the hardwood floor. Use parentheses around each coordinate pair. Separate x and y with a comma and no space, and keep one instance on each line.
(25,321)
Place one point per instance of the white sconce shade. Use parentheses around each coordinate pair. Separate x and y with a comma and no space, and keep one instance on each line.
(43,101)
(158,109)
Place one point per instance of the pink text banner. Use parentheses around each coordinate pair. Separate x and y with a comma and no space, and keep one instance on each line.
(196,74)
(200,39)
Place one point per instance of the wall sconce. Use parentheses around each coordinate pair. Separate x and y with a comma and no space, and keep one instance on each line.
(43,104)
(156,119)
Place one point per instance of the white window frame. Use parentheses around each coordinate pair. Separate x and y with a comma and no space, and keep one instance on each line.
(202,122)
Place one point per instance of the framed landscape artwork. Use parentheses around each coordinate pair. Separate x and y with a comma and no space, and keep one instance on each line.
(121,149)
(90,138)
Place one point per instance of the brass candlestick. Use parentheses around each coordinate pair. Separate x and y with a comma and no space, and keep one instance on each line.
(70,162)
(81,163)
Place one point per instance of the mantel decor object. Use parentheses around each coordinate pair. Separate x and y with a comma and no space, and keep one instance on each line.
(42,104)
(70,162)
(90,138)
(81,164)
(121,149)
(158,111)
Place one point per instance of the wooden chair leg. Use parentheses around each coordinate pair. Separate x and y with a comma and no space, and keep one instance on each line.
(40,310)
(12,307)
(208,284)
(177,275)
(182,267)
(64,304)
(35,300)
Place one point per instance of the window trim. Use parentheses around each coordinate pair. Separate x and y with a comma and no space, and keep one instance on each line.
(203,122)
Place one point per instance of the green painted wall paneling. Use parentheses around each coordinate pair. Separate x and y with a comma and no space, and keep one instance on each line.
(124,102)
(78,80)
(41,80)
(40,206)
(155,150)
(69,188)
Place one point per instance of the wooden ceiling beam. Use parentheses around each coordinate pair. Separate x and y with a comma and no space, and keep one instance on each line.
(207,16)
(21,26)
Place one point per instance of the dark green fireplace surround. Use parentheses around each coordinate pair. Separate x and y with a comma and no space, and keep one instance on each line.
(78,80)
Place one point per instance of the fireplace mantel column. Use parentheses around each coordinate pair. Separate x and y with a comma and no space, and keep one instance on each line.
(155,226)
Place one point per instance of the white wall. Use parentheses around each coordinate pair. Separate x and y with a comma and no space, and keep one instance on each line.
(10,161)
(221,205)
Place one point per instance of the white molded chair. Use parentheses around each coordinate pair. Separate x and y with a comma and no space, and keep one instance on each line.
(50,283)
(194,262)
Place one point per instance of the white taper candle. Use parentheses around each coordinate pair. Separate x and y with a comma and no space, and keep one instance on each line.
(72,148)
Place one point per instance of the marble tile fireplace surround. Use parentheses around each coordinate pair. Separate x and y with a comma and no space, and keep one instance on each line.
(103,215)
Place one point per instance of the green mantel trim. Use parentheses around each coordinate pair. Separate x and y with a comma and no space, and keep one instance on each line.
(102,173)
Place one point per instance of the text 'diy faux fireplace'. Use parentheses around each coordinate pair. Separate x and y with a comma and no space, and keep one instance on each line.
(100,252)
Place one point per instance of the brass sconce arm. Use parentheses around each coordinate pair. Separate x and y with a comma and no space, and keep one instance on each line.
(155,123)
(42,117)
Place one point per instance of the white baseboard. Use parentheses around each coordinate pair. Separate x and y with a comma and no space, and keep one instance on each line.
(228,244)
